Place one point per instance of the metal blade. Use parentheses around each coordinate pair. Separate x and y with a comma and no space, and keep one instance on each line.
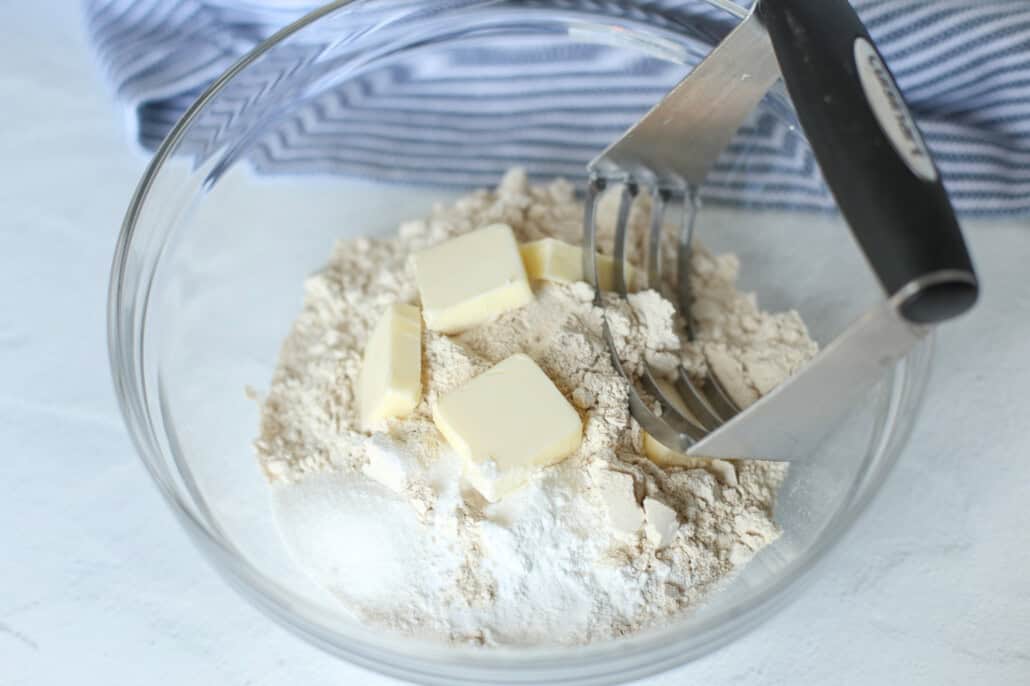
(686,132)
(788,423)
(594,190)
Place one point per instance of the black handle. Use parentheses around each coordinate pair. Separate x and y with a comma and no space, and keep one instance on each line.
(872,156)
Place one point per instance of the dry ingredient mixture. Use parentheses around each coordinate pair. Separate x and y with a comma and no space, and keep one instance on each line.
(383,519)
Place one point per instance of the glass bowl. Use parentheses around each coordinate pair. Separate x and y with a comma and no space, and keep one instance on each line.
(364,114)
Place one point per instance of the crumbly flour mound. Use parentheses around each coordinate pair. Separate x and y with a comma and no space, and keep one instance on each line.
(428,556)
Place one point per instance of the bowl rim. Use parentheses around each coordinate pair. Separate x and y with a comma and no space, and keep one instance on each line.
(639,656)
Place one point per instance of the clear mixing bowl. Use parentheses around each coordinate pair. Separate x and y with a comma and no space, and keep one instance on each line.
(334,128)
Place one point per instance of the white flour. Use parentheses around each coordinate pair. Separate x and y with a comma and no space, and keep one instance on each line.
(427,557)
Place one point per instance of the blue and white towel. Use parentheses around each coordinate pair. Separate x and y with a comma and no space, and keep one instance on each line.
(964,67)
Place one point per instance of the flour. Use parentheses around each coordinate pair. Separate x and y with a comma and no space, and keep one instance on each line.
(385,522)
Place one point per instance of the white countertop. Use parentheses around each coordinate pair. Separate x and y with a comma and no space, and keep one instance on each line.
(98,584)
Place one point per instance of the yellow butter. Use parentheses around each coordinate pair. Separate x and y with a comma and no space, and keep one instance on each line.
(390,381)
(470,279)
(549,259)
(507,423)
(659,454)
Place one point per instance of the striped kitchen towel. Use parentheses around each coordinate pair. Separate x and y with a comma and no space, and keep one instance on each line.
(463,117)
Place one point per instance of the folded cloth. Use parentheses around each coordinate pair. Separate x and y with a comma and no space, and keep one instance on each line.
(964,67)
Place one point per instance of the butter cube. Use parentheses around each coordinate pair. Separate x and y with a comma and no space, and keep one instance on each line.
(662,522)
(470,279)
(620,500)
(666,457)
(390,382)
(662,456)
(549,259)
(506,423)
